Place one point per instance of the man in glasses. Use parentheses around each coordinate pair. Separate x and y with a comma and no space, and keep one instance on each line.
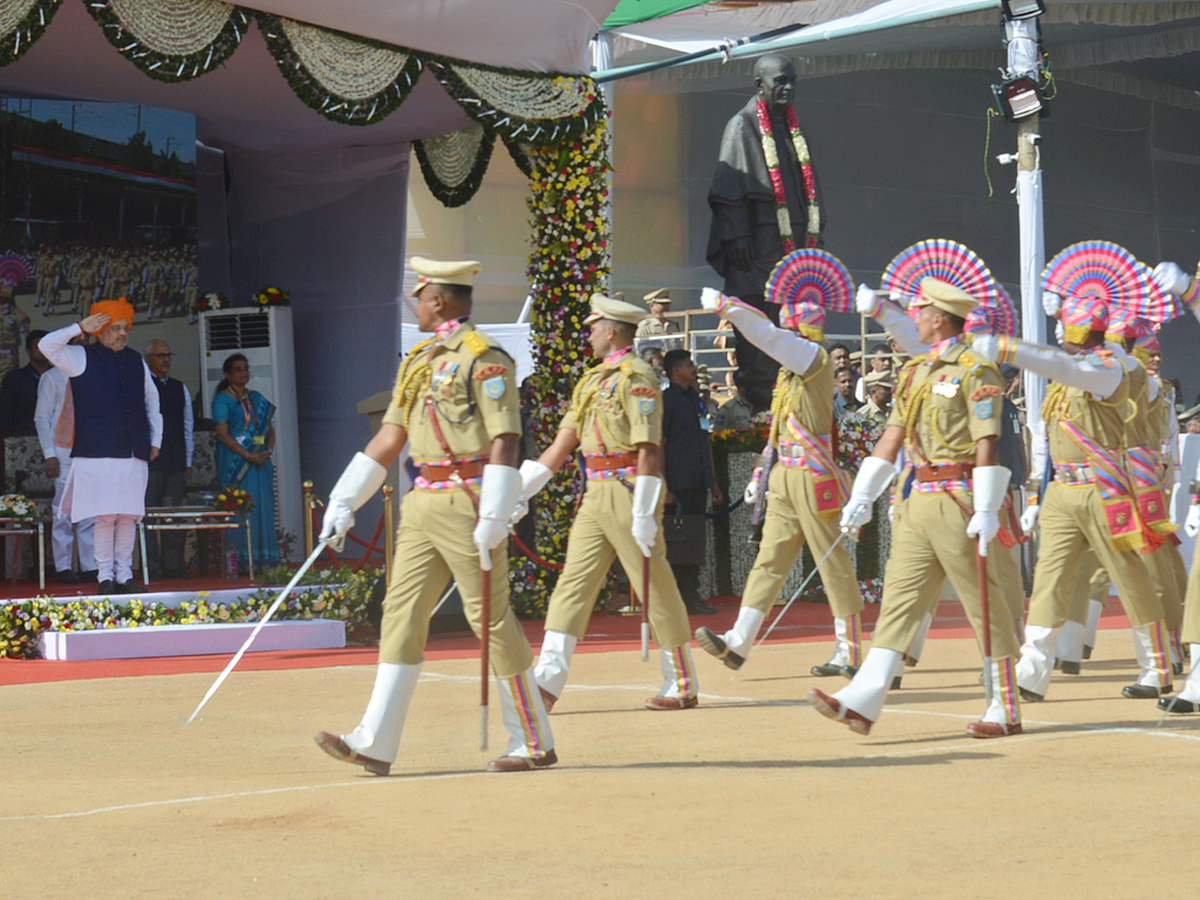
(171,471)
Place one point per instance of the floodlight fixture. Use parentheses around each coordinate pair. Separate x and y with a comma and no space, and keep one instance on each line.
(1018,97)
(1023,9)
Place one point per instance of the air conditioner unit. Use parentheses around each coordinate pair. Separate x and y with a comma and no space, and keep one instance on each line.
(264,336)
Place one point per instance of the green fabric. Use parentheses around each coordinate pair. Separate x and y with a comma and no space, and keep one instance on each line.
(630,11)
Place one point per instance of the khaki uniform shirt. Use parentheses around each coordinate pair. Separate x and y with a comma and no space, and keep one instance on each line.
(1140,431)
(473,388)
(871,411)
(1102,420)
(958,398)
(735,414)
(808,397)
(650,327)
(616,406)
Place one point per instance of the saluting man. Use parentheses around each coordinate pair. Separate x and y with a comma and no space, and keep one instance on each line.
(616,420)
(1090,501)
(947,417)
(456,406)
(805,493)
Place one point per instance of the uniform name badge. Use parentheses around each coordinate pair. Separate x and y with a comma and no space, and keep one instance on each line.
(494,387)
(706,423)
(259,440)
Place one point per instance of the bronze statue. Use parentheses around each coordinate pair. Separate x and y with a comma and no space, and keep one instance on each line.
(761,211)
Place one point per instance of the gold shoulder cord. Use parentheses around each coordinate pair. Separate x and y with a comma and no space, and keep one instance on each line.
(413,379)
(788,388)
(913,402)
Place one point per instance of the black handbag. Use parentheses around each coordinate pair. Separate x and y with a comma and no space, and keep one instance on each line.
(687,538)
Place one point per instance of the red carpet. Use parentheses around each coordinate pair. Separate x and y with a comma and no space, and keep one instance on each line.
(606,632)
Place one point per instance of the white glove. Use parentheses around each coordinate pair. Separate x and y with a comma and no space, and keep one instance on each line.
(1172,279)
(646,491)
(710,298)
(753,487)
(1051,303)
(1029,517)
(989,487)
(362,478)
(866,301)
(984,524)
(534,477)
(497,499)
(1191,525)
(873,476)
(336,524)
(987,346)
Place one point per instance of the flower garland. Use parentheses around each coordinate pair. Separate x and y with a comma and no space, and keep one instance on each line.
(570,260)
(18,507)
(172,40)
(782,216)
(21,24)
(454,164)
(271,296)
(346,78)
(337,594)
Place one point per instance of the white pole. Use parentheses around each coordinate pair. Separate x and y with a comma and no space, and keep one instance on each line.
(602,56)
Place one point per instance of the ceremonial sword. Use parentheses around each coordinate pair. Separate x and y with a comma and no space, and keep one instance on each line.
(259,627)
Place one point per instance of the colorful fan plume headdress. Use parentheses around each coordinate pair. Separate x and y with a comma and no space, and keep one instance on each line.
(13,270)
(956,264)
(808,283)
(1111,275)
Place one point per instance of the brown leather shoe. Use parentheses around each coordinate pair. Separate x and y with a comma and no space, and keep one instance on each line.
(992,729)
(663,704)
(522,763)
(548,699)
(832,709)
(339,749)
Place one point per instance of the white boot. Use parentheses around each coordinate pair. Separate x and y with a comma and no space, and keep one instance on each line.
(1152,656)
(1095,608)
(740,638)
(525,718)
(918,643)
(1004,707)
(1037,659)
(868,690)
(1191,687)
(378,734)
(554,663)
(1069,646)
(847,641)
(680,685)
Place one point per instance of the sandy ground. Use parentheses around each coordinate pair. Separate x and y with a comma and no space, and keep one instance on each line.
(751,795)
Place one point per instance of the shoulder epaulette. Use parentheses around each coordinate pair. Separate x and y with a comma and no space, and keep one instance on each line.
(476,343)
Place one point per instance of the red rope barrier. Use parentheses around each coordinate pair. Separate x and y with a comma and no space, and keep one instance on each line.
(372,547)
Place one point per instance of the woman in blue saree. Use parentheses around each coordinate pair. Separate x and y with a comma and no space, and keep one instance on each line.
(245,435)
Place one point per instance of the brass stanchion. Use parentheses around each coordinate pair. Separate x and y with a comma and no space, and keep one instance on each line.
(308,526)
(389,531)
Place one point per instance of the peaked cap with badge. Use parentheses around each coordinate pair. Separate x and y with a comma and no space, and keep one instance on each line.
(437,271)
(604,307)
(662,295)
(944,296)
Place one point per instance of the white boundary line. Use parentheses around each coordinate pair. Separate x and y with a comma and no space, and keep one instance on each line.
(1074,730)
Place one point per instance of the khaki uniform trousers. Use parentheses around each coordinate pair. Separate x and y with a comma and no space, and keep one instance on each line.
(1166,569)
(1191,607)
(1072,521)
(791,521)
(433,544)
(600,534)
(930,545)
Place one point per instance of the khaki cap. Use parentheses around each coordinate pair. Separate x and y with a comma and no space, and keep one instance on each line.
(880,379)
(662,295)
(944,296)
(436,271)
(616,310)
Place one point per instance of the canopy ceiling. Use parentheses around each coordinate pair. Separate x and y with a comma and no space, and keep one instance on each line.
(1150,40)
(247,104)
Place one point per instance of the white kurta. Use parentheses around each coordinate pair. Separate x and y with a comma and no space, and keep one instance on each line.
(102,487)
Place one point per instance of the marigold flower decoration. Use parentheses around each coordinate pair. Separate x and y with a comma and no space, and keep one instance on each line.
(234,500)
(271,296)
(570,261)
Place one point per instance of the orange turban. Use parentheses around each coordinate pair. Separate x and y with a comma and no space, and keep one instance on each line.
(114,309)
